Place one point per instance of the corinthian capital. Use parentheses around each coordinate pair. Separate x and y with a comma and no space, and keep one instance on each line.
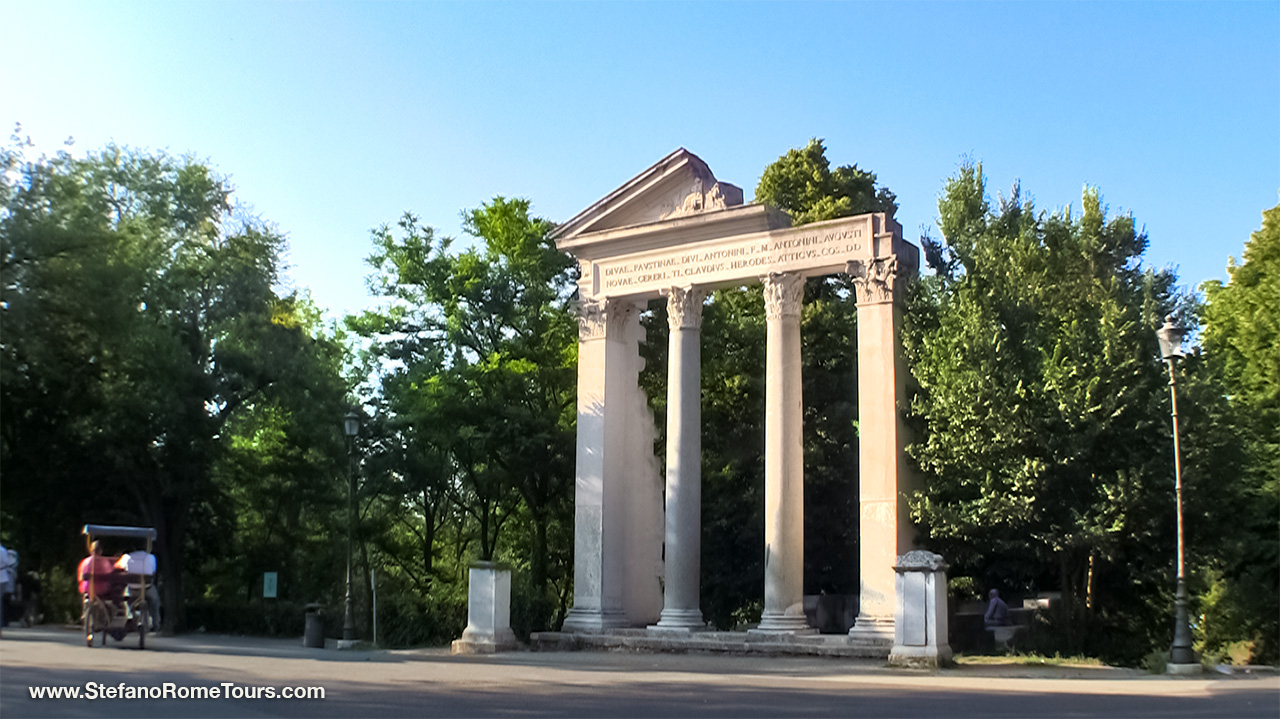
(684,307)
(600,318)
(591,319)
(874,281)
(783,293)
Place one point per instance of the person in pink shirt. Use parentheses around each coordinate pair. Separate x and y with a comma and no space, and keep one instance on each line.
(97,568)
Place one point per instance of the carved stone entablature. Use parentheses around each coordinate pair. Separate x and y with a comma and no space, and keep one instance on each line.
(874,280)
(920,560)
(684,307)
(783,294)
(591,319)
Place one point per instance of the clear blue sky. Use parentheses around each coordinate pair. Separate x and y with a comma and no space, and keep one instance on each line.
(332,118)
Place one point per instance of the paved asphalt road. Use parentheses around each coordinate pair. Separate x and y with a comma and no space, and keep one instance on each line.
(431,683)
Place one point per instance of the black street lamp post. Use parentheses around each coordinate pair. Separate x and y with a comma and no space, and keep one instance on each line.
(1170,337)
(351,428)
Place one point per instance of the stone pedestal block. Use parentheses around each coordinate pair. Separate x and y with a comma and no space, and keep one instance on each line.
(920,620)
(488,612)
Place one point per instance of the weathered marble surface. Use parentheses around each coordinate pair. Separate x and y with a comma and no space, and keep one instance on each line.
(488,612)
(920,619)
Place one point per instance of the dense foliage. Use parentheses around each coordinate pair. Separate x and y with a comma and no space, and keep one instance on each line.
(153,373)
(1043,418)
(474,355)
(1242,350)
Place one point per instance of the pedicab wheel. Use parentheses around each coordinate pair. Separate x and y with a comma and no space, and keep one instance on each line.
(86,616)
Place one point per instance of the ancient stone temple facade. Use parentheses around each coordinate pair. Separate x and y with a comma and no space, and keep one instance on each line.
(675,232)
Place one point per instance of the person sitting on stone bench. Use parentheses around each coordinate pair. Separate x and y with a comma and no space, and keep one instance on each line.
(997,611)
(997,620)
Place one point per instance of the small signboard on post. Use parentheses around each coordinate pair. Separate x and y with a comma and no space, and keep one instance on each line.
(268,585)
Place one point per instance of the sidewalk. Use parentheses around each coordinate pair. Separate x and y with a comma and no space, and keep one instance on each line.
(631,659)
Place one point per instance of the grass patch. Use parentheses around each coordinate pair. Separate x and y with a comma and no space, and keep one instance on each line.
(1029,660)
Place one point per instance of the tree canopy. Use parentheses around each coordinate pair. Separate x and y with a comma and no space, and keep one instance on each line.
(143,330)
(475,356)
(1042,415)
(1242,354)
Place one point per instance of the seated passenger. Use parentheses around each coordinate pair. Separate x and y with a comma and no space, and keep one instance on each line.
(138,562)
(101,570)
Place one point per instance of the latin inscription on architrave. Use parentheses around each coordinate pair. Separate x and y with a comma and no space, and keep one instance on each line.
(802,249)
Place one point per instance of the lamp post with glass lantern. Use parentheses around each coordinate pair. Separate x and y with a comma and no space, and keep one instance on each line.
(1181,654)
(351,428)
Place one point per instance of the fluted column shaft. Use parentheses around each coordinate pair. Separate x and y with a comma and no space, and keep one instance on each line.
(783,457)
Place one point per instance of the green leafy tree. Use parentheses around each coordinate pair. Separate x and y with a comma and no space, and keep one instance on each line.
(1242,351)
(803,183)
(281,475)
(482,344)
(1042,437)
(131,270)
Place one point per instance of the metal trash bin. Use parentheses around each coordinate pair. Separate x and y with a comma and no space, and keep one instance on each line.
(313,633)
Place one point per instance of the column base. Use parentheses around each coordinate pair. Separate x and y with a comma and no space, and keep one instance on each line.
(871,631)
(482,642)
(594,620)
(784,623)
(1184,669)
(927,656)
(679,620)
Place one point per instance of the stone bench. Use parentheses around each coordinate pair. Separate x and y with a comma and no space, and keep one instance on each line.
(1005,635)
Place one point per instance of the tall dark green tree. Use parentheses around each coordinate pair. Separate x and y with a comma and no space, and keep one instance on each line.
(482,344)
(141,316)
(803,183)
(280,476)
(1043,439)
(1242,354)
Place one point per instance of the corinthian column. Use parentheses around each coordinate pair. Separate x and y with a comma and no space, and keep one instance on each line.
(783,458)
(885,530)
(680,607)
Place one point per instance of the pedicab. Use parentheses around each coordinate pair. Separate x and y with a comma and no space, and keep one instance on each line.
(114,602)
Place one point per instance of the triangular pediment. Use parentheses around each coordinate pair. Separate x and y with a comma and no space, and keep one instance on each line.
(678,185)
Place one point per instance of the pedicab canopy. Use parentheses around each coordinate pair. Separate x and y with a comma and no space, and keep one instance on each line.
(106,530)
